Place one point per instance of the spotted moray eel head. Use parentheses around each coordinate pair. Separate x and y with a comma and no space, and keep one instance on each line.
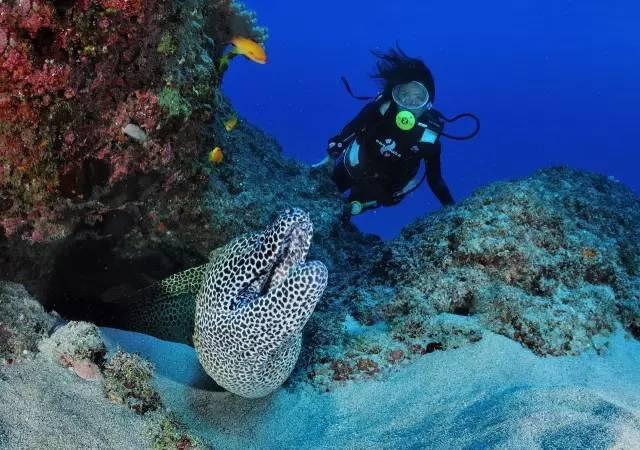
(262,261)
(255,300)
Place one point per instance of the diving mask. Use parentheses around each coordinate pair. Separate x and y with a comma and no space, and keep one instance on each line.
(412,99)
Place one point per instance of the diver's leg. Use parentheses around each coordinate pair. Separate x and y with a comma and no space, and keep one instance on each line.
(365,194)
(367,190)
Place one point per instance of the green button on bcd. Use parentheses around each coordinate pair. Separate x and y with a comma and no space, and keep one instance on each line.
(405,120)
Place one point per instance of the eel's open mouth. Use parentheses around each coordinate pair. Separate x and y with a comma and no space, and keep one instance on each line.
(291,250)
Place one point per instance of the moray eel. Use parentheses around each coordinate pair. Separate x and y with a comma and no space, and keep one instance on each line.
(252,300)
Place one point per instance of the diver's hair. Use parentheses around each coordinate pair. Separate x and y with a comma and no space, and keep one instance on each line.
(395,67)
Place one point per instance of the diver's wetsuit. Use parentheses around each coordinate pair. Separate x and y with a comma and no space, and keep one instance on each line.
(388,158)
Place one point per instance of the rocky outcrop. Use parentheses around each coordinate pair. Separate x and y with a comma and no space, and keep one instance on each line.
(23,322)
(59,390)
(551,261)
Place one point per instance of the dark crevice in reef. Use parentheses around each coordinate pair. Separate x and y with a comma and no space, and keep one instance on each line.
(91,273)
(62,6)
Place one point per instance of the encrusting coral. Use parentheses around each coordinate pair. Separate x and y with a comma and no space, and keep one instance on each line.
(166,432)
(78,346)
(127,380)
(540,260)
(74,341)
(104,109)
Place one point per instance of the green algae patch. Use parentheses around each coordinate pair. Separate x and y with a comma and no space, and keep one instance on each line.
(167,45)
(173,104)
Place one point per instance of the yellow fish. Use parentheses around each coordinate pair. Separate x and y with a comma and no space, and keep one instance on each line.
(250,49)
(216,155)
(230,123)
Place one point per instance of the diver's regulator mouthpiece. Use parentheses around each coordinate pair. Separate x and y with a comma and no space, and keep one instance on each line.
(413,100)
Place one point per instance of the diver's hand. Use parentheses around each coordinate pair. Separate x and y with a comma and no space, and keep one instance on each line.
(324,162)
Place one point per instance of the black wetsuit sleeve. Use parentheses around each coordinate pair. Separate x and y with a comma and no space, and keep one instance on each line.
(364,116)
(434,175)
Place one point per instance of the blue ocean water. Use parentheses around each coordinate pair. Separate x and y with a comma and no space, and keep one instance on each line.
(553,82)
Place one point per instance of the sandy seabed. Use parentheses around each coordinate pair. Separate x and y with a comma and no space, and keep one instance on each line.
(493,394)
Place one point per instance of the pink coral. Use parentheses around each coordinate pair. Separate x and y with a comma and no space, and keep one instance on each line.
(87,370)
(34,15)
(129,8)
(12,224)
(72,75)
(141,108)
(57,114)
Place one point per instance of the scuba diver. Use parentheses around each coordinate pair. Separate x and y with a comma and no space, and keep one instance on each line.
(378,155)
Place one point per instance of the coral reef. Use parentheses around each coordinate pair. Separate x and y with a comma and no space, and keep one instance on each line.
(549,261)
(541,260)
(256,182)
(243,22)
(74,85)
(75,182)
(148,216)
(108,109)
(42,405)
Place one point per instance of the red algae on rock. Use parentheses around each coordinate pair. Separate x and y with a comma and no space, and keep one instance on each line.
(129,8)
(367,366)
(64,86)
(72,76)
(342,370)
(395,356)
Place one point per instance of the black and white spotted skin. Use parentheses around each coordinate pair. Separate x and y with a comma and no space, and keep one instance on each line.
(256,296)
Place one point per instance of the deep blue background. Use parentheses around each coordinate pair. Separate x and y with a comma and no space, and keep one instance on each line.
(553,81)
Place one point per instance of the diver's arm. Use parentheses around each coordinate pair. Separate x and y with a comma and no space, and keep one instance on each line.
(357,123)
(434,175)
